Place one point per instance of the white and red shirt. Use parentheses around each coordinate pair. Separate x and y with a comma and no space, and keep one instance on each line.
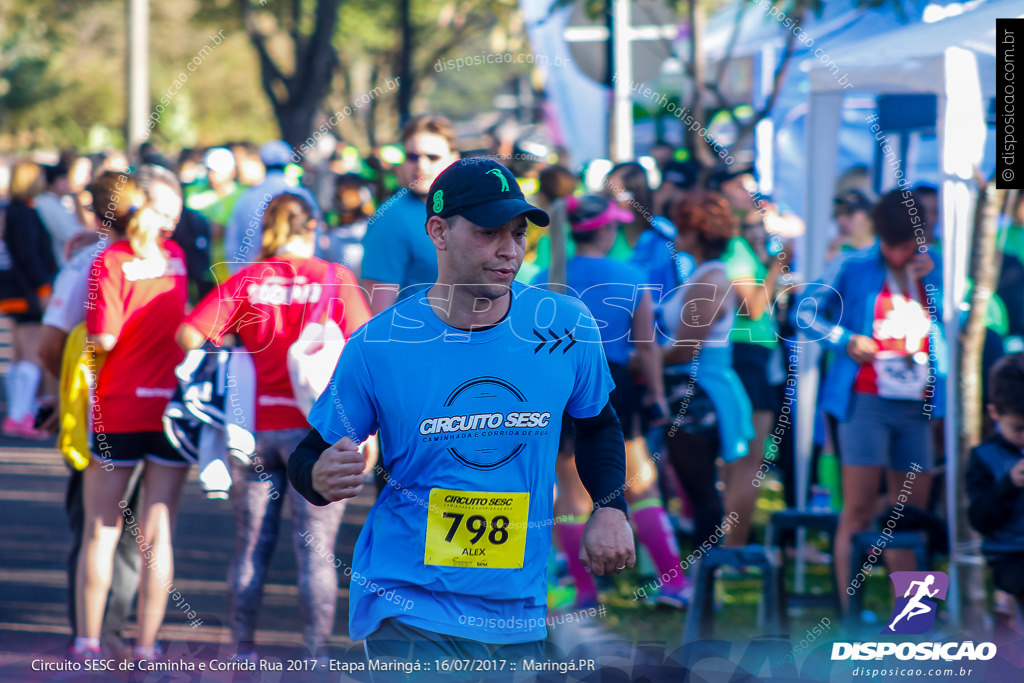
(267,304)
(900,329)
(141,302)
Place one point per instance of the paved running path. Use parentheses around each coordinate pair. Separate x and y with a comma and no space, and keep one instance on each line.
(34,542)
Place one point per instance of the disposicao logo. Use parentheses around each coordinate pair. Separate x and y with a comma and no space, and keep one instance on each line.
(913,613)
(914,608)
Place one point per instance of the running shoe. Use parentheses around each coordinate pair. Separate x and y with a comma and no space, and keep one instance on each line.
(23,428)
(83,654)
(679,598)
(152,654)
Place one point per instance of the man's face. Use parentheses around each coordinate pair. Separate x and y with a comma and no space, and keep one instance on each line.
(165,210)
(930,210)
(483,259)
(219,177)
(426,155)
(852,222)
(1010,426)
(739,192)
(898,255)
(617,192)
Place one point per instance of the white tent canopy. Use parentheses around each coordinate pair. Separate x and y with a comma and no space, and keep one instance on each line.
(954,59)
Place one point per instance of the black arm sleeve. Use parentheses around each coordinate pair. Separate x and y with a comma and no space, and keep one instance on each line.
(601,458)
(990,500)
(300,466)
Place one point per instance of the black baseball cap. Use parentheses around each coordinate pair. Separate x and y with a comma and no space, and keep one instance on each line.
(725,174)
(851,200)
(482,191)
(682,174)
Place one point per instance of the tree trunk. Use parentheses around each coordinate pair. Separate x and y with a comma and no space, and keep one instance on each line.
(296,122)
(694,141)
(405,82)
(983,276)
(295,97)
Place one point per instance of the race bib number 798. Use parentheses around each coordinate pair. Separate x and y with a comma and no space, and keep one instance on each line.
(476,529)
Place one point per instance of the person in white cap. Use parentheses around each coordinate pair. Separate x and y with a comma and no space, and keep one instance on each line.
(244,228)
(217,202)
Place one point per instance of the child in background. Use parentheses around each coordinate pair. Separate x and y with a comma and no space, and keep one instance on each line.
(995,479)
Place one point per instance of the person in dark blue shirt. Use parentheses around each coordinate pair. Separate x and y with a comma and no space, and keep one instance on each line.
(995,479)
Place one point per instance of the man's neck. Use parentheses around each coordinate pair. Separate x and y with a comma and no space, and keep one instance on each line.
(862,241)
(455,307)
(592,251)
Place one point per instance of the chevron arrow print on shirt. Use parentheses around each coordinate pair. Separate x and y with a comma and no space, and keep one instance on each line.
(556,339)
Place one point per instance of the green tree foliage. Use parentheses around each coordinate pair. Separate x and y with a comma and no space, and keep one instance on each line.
(35,36)
(62,77)
(62,68)
(370,52)
(363,54)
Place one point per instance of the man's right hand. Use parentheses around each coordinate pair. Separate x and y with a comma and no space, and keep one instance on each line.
(1017,474)
(338,474)
(862,349)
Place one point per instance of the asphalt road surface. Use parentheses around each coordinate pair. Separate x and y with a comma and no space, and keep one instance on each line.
(34,544)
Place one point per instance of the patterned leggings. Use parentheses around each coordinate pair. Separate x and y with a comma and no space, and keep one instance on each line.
(257,496)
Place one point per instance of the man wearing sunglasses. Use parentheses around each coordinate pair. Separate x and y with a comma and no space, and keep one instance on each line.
(398,257)
(851,211)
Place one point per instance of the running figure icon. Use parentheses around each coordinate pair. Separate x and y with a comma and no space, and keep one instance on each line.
(915,607)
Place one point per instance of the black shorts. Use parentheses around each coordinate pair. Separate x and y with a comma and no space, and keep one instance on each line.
(625,399)
(751,363)
(26,318)
(125,449)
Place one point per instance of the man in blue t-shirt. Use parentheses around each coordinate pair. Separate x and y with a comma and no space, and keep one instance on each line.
(467,383)
(398,256)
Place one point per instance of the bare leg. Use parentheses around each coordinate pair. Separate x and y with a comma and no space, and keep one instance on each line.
(571,510)
(101,491)
(739,476)
(641,474)
(161,490)
(898,559)
(573,499)
(860,492)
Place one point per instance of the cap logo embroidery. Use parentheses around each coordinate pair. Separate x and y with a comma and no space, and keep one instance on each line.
(501,177)
(438,201)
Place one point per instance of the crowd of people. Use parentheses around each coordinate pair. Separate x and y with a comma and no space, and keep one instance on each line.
(115,275)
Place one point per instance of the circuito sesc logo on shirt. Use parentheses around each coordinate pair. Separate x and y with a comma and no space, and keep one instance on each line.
(485,423)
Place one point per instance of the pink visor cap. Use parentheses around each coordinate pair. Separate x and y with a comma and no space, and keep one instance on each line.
(592,211)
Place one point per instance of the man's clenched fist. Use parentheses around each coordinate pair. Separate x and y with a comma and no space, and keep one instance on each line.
(338,474)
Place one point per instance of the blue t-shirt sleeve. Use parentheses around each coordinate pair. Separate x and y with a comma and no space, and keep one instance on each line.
(593,380)
(385,248)
(347,406)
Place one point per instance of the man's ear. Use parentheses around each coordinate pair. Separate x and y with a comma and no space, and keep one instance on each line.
(437,230)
